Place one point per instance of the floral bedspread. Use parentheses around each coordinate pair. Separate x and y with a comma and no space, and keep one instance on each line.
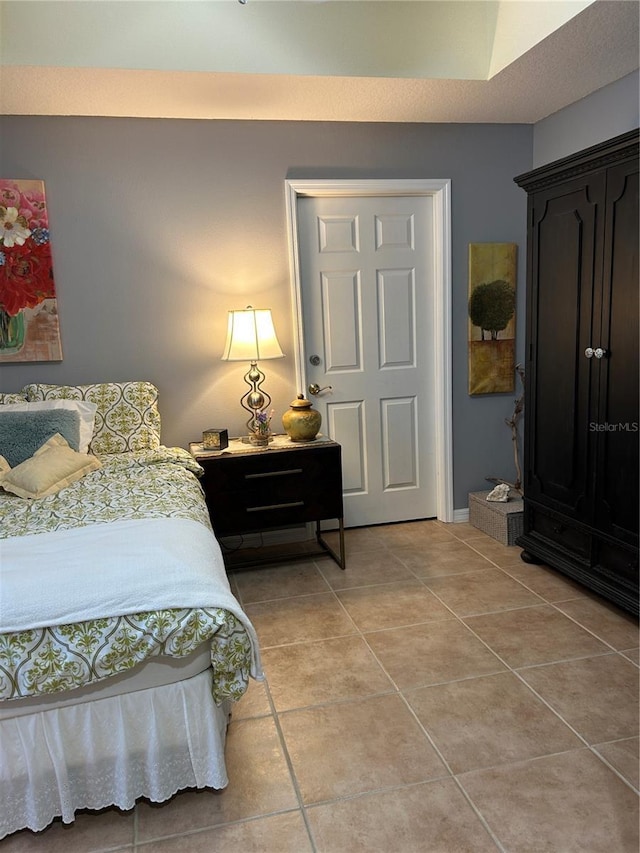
(146,484)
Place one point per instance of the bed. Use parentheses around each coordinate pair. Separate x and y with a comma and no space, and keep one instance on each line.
(122,647)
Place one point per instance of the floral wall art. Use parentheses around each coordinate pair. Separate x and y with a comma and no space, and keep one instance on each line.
(29,329)
(492,317)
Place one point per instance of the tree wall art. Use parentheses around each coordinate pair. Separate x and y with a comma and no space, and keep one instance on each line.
(29,328)
(492,317)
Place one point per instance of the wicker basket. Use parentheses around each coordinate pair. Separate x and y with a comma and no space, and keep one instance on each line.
(501,521)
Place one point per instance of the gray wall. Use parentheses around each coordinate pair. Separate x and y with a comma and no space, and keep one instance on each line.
(610,111)
(159,227)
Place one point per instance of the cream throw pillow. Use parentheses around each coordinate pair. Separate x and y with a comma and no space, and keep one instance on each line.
(52,467)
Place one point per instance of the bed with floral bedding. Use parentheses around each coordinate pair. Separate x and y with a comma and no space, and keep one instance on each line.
(121,645)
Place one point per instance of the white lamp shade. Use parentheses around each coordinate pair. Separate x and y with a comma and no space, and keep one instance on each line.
(251,336)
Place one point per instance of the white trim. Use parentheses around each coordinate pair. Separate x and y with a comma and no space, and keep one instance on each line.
(440,190)
(461,515)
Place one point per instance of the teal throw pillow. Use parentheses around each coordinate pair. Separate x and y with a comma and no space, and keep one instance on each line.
(22,433)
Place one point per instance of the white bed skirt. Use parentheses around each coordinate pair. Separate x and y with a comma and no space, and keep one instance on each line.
(150,743)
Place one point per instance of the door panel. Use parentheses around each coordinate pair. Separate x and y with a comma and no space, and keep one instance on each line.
(366,269)
(348,420)
(395,231)
(560,387)
(617,424)
(341,339)
(396,319)
(399,447)
(338,234)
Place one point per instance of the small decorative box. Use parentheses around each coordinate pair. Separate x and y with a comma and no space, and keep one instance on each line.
(215,439)
(501,521)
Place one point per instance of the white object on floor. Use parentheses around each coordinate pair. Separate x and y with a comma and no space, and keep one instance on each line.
(500,493)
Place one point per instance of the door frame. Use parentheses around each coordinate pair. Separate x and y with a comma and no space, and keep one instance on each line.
(440,191)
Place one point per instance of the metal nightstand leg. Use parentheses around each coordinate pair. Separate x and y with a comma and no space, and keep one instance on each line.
(340,559)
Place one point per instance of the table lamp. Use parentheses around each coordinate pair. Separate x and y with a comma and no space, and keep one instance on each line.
(251,337)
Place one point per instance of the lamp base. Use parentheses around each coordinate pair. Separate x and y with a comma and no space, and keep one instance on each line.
(256,399)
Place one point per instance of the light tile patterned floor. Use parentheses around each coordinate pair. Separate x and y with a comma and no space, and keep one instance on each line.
(439,696)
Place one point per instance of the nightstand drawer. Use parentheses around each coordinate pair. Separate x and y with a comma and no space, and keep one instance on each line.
(239,472)
(232,520)
(277,504)
(253,491)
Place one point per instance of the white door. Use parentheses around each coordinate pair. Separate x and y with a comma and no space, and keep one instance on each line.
(366,278)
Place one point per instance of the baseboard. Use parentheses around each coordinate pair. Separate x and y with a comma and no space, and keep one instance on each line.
(460,515)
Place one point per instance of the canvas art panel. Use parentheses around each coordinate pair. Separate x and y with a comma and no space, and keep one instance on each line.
(492,317)
(29,327)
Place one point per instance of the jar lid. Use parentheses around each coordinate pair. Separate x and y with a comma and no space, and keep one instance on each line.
(300,402)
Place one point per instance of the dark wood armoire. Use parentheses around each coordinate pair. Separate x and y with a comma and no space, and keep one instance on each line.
(581,401)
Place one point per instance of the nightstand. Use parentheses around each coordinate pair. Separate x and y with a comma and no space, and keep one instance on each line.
(253,489)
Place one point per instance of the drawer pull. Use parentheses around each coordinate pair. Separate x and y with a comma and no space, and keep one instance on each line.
(263,474)
(274,506)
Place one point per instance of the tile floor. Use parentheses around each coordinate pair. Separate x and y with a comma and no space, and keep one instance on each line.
(440,695)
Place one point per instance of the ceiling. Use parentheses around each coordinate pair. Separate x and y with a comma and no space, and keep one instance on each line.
(323,60)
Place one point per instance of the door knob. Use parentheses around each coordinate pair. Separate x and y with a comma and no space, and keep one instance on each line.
(315,389)
(589,352)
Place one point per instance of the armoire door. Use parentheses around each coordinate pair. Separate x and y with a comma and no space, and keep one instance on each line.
(616,428)
(564,254)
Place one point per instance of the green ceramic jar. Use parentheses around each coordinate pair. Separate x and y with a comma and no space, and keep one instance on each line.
(301,422)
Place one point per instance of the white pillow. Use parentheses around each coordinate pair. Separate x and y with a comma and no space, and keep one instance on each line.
(86,410)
